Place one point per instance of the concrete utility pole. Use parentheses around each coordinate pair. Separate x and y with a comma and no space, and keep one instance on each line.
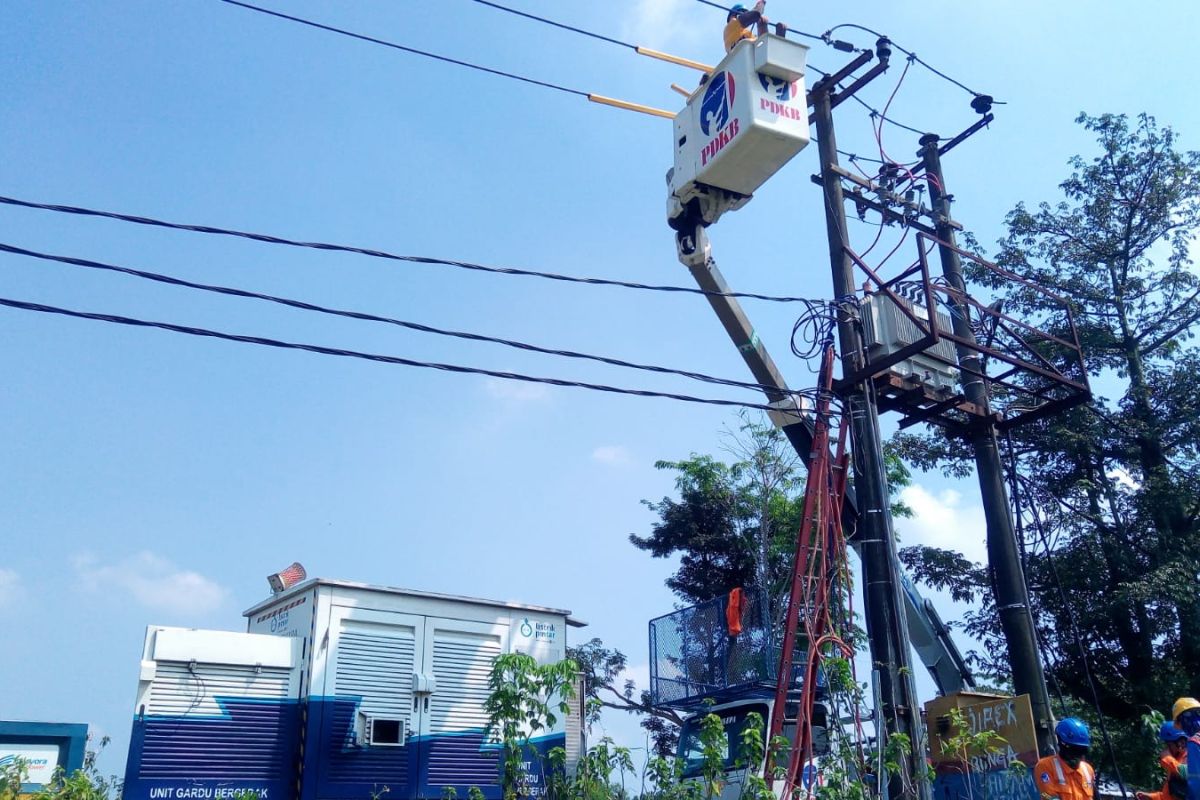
(886,627)
(1004,556)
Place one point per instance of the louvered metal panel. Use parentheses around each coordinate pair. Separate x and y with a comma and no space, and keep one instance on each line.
(574,726)
(886,329)
(373,674)
(218,721)
(376,663)
(462,663)
(180,689)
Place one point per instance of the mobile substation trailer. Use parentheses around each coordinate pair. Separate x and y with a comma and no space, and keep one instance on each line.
(336,690)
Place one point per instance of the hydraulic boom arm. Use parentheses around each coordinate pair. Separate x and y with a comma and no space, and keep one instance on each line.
(929,635)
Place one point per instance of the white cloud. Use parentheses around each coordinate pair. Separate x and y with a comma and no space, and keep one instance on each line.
(612,454)
(152,581)
(10,586)
(673,23)
(943,520)
(515,391)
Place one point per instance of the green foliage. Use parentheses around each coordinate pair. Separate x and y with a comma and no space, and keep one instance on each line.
(1116,484)
(86,783)
(963,744)
(734,524)
(524,697)
(665,778)
(597,774)
(712,762)
(602,669)
(12,775)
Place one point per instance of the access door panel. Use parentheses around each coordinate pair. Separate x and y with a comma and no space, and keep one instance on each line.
(459,655)
(369,715)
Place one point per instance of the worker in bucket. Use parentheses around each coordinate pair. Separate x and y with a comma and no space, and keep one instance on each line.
(1065,775)
(1186,713)
(1172,761)
(738,24)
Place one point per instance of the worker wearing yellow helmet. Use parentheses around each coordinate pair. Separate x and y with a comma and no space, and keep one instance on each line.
(1186,713)
(740,20)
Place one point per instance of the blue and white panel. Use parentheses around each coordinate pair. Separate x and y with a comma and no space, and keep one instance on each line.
(217,714)
(454,753)
(372,658)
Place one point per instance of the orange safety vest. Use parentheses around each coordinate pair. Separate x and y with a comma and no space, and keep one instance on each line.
(733,612)
(1057,781)
(1175,786)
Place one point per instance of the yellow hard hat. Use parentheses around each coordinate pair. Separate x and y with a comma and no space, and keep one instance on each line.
(1183,704)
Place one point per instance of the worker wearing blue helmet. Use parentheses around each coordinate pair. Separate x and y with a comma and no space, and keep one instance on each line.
(1065,775)
(1172,761)
(738,24)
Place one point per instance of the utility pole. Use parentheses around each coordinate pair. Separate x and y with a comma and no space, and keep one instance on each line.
(886,626)
(1004,556)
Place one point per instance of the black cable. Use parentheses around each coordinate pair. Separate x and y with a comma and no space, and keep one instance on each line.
(790,29)
(413,50)
(814,328)
(383,359)
(565,27)
(416,326)
(876,113)
(341,248)
(910,54)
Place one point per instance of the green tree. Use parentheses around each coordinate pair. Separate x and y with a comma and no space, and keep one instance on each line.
(734,524)
(524,698)
(603,671)
(1114,484)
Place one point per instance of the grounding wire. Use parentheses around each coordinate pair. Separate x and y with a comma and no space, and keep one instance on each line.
(416,326)
(379,358)
(364,251)
(406,49)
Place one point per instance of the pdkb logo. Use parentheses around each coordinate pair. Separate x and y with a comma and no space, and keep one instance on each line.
(715,108)
(778,88)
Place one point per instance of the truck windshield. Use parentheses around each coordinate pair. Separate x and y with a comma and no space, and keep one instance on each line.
(734,722)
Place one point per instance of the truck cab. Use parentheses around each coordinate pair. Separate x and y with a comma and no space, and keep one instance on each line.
(736,716)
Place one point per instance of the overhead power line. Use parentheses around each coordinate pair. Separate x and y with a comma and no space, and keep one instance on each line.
(414,51)
(805,34)
(564,26)
(590,96)
(383,359)
(911,55)
(342,248)
(359,315)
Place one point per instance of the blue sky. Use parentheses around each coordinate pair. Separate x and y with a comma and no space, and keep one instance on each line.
(149,477)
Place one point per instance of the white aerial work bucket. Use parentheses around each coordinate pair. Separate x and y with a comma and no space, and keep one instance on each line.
(745,122)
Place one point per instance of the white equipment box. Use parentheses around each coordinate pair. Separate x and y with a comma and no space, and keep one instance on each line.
(745,122)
